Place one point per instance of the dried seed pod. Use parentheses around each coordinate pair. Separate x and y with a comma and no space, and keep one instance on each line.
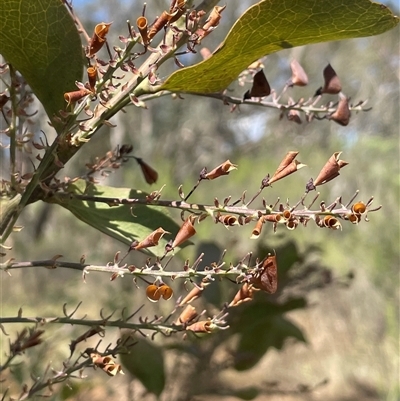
(332,222)
(291,224)
(342,114)
(204,326)
(193,294)
(228,220)
(98,38)
(74,96)
(152,239)
(299,76)
(166,291)
(330,169)
(354,218)
(142,26)
(150,175)
(332,83)
(257,229)
(290,169)
(260,87)
(211,23)
(273,218)
(92,77)
(152,293)
(186,231)
(223,169)
(359,208)
(187,315)
(266,277)
(245,294)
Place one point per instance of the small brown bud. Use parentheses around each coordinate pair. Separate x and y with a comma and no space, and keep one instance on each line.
(330,170)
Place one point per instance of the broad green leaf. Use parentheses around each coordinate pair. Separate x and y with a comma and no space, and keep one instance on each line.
(263,334)
(40,39)
(273,25)
(119,222)
(145,361)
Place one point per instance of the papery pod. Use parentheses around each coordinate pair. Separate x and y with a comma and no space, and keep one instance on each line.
(152,293)
(204,326)
(359,208)
(299,76)
(193,294)
(187,315)
(245,294)
(260,86)
(332,83)
(330,169)
(332,222)
(257,229)
(165,291)
(223,169)
(142,26)
(75,96)
(152,239)
(98,38)
(342,114)
(150,175)
(186,231)
(290,169)
(266,277)
(228,220)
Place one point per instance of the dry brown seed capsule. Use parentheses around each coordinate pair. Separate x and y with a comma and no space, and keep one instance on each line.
(152,293)
(200,327)
(186,231)
(257,229)
(359,208)
(245,294)
(98,38)
(187,315)
(166,291)
(223,169)
(74,96)
(332,83)
(332,222)
(92,77)
(150,175)
(330,169)
(152,239)
(260,87)
(342,114)
(142,25)
(266,278)
(299,76)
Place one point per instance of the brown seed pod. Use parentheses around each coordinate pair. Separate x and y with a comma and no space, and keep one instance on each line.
(299,76)
(332,83)
(98,38)
(260,87)
(266,277)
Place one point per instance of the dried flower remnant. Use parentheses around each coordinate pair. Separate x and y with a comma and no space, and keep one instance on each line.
(142,26)
(331,222)
(186,231)
(187,315)
(75,96)
(223,169)
(154,292)
(106,363)
(342,114)
(92,77)
(299,76)
(228,220)
(150,175)
(98,38)
(332,83)
(293,115)
(151,240)
(26,339)
(211,23)
(330,170)
(266,275)
(204,326)
(257,229)
(259,88)
(245,294)
(287,166)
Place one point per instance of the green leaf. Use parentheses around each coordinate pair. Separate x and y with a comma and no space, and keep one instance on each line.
(270,26)
(263,334)
(119,221)
(40,39)
(145,361)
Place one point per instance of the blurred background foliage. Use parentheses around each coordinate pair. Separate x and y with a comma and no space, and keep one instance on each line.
(351,332)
